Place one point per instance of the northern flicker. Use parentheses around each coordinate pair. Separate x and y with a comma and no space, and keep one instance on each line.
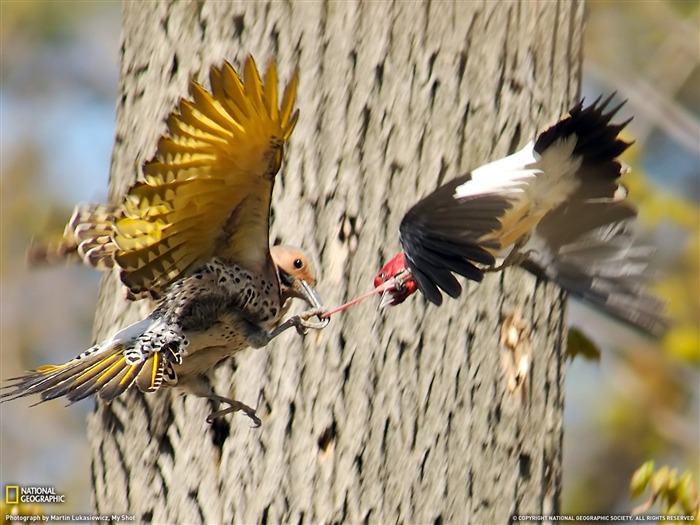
(193,233)
(555,207)
(204,318)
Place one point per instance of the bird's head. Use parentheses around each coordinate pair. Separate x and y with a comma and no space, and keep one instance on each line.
(397,280)
(297,274)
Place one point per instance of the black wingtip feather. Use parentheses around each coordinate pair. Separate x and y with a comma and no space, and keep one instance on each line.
(585,122)
(427,287)
(442,236)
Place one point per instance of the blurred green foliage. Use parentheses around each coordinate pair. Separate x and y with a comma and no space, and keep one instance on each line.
(646,404)
(579,344)
(682,276)
(7,512)
(676,495)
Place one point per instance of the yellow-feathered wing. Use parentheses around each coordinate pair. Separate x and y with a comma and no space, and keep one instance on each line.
(207,191)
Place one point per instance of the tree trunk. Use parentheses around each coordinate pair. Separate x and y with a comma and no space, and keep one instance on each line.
(397,416)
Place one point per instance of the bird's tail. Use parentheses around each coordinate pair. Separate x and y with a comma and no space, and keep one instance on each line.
(606,268)
(597,146)
(87,237)
(142,354)
(586,244)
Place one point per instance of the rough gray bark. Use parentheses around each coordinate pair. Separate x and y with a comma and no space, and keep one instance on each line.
(401,416)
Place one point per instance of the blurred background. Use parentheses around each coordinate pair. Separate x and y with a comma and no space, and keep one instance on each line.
(634,400)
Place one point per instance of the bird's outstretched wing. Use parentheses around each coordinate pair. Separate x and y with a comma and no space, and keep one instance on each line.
(206,192)
(442,234)
(599,261)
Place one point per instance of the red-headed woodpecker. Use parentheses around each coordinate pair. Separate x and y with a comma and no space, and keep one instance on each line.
(555,207)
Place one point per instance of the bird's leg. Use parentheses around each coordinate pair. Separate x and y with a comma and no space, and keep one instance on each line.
(514,257)
(302,322)
(233,406)
(200,385)
(257,336)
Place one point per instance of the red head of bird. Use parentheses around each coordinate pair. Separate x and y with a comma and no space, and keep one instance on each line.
(398,280)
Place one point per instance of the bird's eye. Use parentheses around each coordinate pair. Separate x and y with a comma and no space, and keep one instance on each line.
(298,264)
(382,276)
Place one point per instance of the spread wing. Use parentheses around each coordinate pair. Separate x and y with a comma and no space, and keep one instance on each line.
(207,191)
(444,233)
(590,249)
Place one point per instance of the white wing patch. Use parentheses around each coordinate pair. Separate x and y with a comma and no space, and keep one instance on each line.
(509,175)
(545,181)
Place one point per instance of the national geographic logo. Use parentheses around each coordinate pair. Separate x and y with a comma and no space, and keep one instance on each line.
(15,494)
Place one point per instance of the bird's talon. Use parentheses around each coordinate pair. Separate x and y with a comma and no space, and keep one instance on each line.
(235,406)
(305,318)
(299,325)
(512,259)
(303,323)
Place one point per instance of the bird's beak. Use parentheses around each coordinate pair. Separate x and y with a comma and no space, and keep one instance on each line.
(388,297)
(310,295)
(394,290)
(305,291)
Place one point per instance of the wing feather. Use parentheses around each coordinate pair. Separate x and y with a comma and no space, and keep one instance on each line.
(286,118)
(207,191)
(445,234)
(590,249)
(270,87)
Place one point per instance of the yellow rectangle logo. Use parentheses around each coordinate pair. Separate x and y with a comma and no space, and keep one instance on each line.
(12,500)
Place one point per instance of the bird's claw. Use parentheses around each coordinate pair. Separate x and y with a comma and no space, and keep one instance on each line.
(235,406)
(515,256)
(512,259)
(302,322)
